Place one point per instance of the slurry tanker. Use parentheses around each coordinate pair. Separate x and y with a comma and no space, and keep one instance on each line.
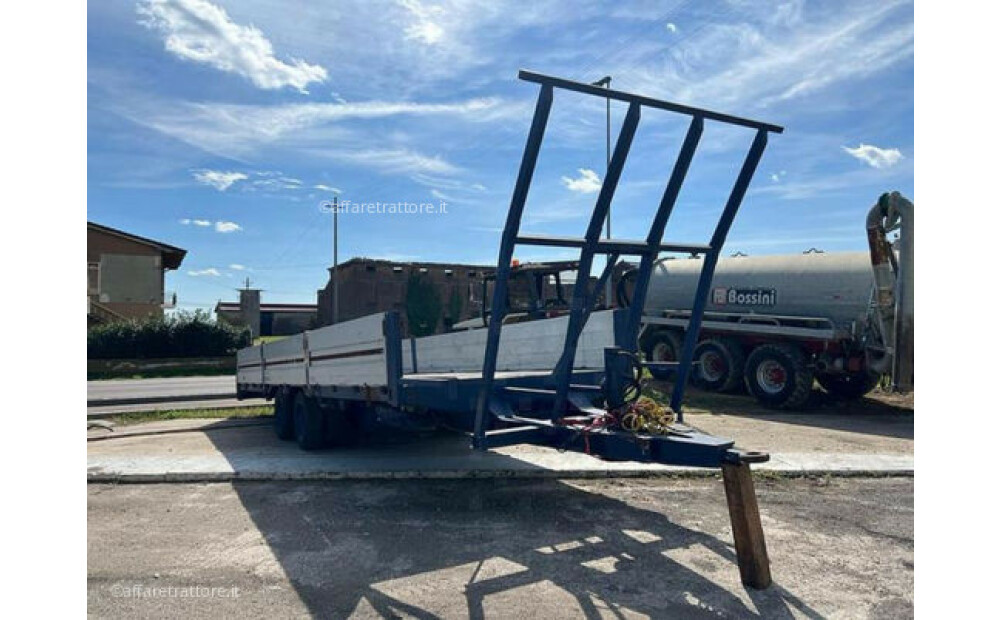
(774,324)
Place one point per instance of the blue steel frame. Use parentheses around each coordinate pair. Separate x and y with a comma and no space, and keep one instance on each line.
(489,402)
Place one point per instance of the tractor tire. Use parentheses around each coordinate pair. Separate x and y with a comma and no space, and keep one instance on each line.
(284,424)
(308,422)
(849,386)
(720,365)
(663,346)
(778,376)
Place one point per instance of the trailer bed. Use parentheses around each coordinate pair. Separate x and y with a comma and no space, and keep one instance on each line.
(367,359)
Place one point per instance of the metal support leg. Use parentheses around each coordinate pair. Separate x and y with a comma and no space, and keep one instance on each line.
(751,551)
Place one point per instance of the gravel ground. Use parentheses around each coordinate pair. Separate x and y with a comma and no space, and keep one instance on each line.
(495,548)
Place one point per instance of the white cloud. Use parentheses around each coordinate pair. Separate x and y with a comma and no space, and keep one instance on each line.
(199,31)
(671,27)
(587,183)
(218,179)
(777,176)
(767,56)
(874,156)
(273,182)
(327,188)
(238,267)
(426,28)
(227,227)
(395,160)
(211,271)
(239,130)
(190,222)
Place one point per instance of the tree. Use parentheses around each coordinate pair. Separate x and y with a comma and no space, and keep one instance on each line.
(423,305)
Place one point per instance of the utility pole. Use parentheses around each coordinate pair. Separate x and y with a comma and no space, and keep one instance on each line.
(336,271)
(606,82)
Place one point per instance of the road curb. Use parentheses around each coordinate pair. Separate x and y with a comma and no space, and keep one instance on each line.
(224,423)
(582,474)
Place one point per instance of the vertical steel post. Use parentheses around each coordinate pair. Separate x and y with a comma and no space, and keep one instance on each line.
(581,291)
(527,170)
(607,145)
(708,268)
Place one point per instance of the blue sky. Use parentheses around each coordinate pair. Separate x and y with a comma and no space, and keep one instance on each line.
(221,126)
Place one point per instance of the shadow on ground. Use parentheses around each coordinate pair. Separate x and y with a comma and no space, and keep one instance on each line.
(522,548)
(878,413)
(429,549)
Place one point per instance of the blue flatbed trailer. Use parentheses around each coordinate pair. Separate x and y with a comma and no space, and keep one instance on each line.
(553,382)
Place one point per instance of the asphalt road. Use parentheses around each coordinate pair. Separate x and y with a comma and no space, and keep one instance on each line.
(495,548)
(136,390)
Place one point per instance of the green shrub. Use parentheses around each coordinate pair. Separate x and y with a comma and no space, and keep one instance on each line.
(184,334)
(423,306)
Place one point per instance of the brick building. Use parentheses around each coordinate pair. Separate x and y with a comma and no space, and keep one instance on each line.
(371,285)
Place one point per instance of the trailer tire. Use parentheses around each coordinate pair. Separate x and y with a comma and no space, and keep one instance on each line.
(720,365)
(778,376)
(284,424)
(663,346)
(308,422)
(849,386)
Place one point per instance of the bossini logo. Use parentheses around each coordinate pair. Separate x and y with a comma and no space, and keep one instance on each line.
(744,296)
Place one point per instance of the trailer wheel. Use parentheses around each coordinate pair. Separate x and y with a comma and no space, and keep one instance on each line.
(284,424)
(720,365)
(308,422)
(849,386)
(663,346)
(778,376)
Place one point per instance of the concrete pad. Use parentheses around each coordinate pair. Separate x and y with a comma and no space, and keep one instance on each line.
(214,452)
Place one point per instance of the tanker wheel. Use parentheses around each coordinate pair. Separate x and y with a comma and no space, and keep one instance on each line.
(849,386)
(720,365)
(308,422)
(778,376)
(663,346)
(284,425)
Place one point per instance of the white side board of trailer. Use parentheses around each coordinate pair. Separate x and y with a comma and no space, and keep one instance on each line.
(354,353)
(535,345)
(349,353)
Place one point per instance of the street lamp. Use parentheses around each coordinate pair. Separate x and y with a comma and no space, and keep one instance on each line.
(606,83)
(336,272)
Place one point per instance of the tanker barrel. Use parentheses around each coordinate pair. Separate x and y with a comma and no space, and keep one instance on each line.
(833,285)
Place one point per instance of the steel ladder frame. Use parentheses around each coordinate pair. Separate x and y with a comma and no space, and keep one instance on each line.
(585,297)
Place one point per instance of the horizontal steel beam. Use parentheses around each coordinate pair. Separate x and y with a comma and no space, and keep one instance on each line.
(606,246)
(618,95)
